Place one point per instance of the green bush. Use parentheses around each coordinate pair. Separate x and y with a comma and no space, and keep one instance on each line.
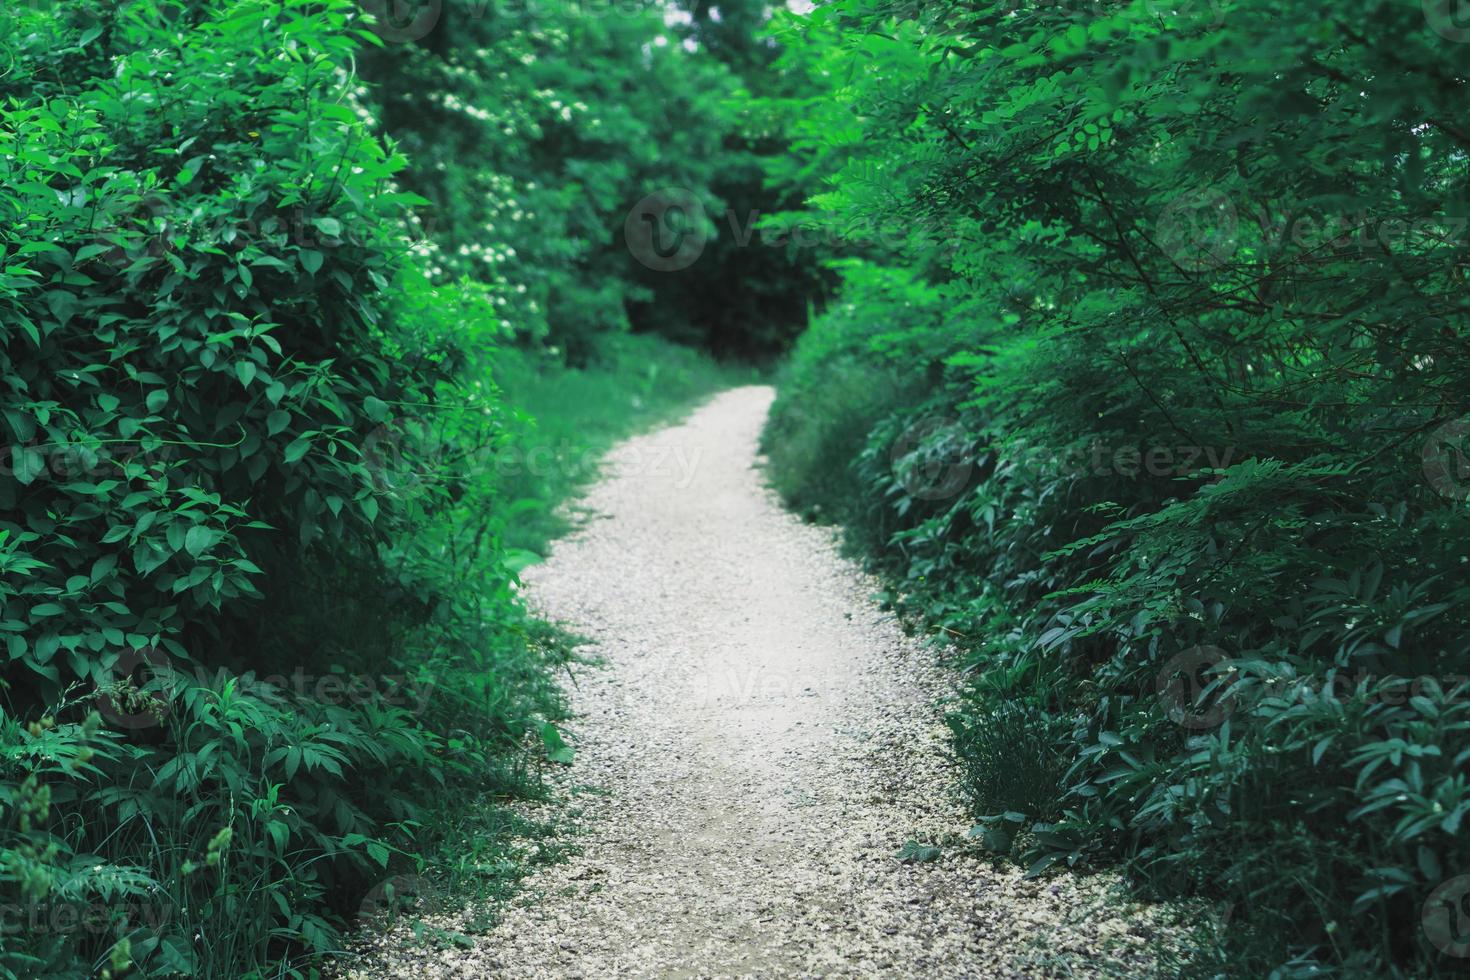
(255,603)
(1197,351)
(834,394)
(1010,759)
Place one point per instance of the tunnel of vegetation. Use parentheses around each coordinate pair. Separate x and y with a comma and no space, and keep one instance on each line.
(1132,349)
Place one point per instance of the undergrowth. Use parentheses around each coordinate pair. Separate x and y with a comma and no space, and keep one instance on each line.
(1156,409)
(265,653)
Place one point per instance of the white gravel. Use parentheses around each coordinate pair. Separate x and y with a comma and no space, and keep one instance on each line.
(761,744)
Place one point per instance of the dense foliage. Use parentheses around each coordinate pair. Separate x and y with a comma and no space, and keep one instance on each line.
(533,129)
(259,597)
(1155,406)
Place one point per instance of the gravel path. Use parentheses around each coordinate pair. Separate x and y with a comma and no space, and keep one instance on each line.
(763,742)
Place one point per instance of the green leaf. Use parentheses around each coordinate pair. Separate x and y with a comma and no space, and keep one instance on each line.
(103,567)
(1041,864)
(557,750)
(297,449)
(994,839)
(914,852)
(29,464)
(200,539)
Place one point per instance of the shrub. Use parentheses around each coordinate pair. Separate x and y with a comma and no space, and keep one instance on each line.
(1009,758)
(1196,338)
(255,607)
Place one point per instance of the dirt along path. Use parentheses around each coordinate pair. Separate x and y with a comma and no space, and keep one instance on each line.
(763,742)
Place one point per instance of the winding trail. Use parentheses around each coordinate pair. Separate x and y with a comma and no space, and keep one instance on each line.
(763,741)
